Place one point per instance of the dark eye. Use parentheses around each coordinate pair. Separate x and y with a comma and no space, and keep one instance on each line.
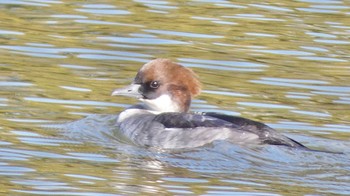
(154,84)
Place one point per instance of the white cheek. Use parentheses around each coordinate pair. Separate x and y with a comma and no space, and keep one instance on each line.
(163,103)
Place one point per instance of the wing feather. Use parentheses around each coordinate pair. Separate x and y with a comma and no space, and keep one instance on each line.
(189,121)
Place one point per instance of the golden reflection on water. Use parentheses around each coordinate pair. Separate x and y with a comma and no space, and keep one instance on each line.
(284,63)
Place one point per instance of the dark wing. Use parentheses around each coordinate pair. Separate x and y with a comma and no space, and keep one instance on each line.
(266,134)
(191,120)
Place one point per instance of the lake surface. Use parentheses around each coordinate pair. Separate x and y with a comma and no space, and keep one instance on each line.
(284,63)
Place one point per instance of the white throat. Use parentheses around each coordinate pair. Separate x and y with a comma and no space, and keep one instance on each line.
(163,103)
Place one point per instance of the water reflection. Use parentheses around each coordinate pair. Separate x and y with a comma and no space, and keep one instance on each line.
(102,9)
(285,63)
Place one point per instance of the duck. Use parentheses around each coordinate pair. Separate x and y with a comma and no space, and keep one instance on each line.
(162,118)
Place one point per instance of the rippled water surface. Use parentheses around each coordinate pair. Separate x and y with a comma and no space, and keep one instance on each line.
(285,63)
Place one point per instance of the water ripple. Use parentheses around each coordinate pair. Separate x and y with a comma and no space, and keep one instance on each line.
(305,84)
(14,170)
(100,22)
(102,9)
(15,84)
(325,59)
(257,17)
(156,4)
(227,93)
(73,102)
(68,16)
(50,52)
(271,8)
(143,41)
(330,41)
(72,88)
(7,32)
(318,10)
(183,34)
(30,3)
(286,52)
(261,34)
(265,105)
(59,59)
(223,65)
(311,113)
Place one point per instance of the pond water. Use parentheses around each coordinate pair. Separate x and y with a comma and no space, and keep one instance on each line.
(285,63)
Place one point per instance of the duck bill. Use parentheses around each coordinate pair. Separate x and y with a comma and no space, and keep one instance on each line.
(131,90)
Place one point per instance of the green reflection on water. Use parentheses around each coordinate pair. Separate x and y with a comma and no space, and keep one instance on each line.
(58,50)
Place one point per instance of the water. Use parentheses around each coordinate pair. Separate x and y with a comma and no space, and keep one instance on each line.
(284,63)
